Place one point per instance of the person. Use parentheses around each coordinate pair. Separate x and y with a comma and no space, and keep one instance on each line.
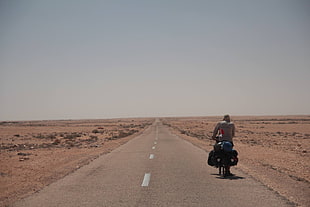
(225,131)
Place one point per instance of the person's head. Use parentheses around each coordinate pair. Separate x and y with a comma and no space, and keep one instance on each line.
(226,118)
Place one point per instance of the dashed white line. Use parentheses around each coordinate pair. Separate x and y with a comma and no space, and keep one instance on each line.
(153,147)
(152,156)
(155,142)
(156,138)
(146,180)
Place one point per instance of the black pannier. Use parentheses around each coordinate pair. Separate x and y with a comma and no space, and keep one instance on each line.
(211,158)
(215,157)
(234,158)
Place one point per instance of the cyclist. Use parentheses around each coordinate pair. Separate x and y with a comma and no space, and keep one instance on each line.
(225,131)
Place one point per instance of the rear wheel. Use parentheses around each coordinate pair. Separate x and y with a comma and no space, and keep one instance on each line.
(222,170)
(223,165)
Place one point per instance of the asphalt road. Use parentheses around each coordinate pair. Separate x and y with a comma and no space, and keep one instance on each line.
(156,168)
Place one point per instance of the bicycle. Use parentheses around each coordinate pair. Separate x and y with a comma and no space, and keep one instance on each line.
(223,157)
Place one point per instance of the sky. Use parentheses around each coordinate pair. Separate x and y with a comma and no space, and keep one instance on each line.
(78,59)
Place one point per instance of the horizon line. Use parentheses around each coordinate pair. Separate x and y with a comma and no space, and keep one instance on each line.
(152,117)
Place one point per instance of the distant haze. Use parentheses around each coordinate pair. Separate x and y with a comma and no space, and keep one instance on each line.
(104,59)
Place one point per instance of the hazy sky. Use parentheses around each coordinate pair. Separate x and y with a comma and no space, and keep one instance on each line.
(69,59)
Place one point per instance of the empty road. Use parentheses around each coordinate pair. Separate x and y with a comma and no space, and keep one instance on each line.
(156,168)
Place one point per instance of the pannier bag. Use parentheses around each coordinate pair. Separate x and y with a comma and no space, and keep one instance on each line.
(234,158)
(210,158)
(214,158)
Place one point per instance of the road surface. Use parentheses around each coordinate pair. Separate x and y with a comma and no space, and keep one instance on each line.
(156,168)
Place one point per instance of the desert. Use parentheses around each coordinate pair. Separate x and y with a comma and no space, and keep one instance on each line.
(274,150)
(34,154)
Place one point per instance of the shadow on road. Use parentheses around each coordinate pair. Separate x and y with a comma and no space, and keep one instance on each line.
(234,177)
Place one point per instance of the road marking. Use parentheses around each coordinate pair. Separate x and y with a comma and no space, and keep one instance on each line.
(146,180)
(153,147)
(155,142)
(156,133)
(152,156)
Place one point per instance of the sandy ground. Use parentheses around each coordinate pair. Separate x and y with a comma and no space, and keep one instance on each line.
(273,150)
(36,153)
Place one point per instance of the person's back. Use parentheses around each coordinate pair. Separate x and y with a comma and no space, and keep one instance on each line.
(226,131)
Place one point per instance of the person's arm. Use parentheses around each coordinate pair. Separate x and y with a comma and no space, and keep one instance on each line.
(216,129)
(233,130)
